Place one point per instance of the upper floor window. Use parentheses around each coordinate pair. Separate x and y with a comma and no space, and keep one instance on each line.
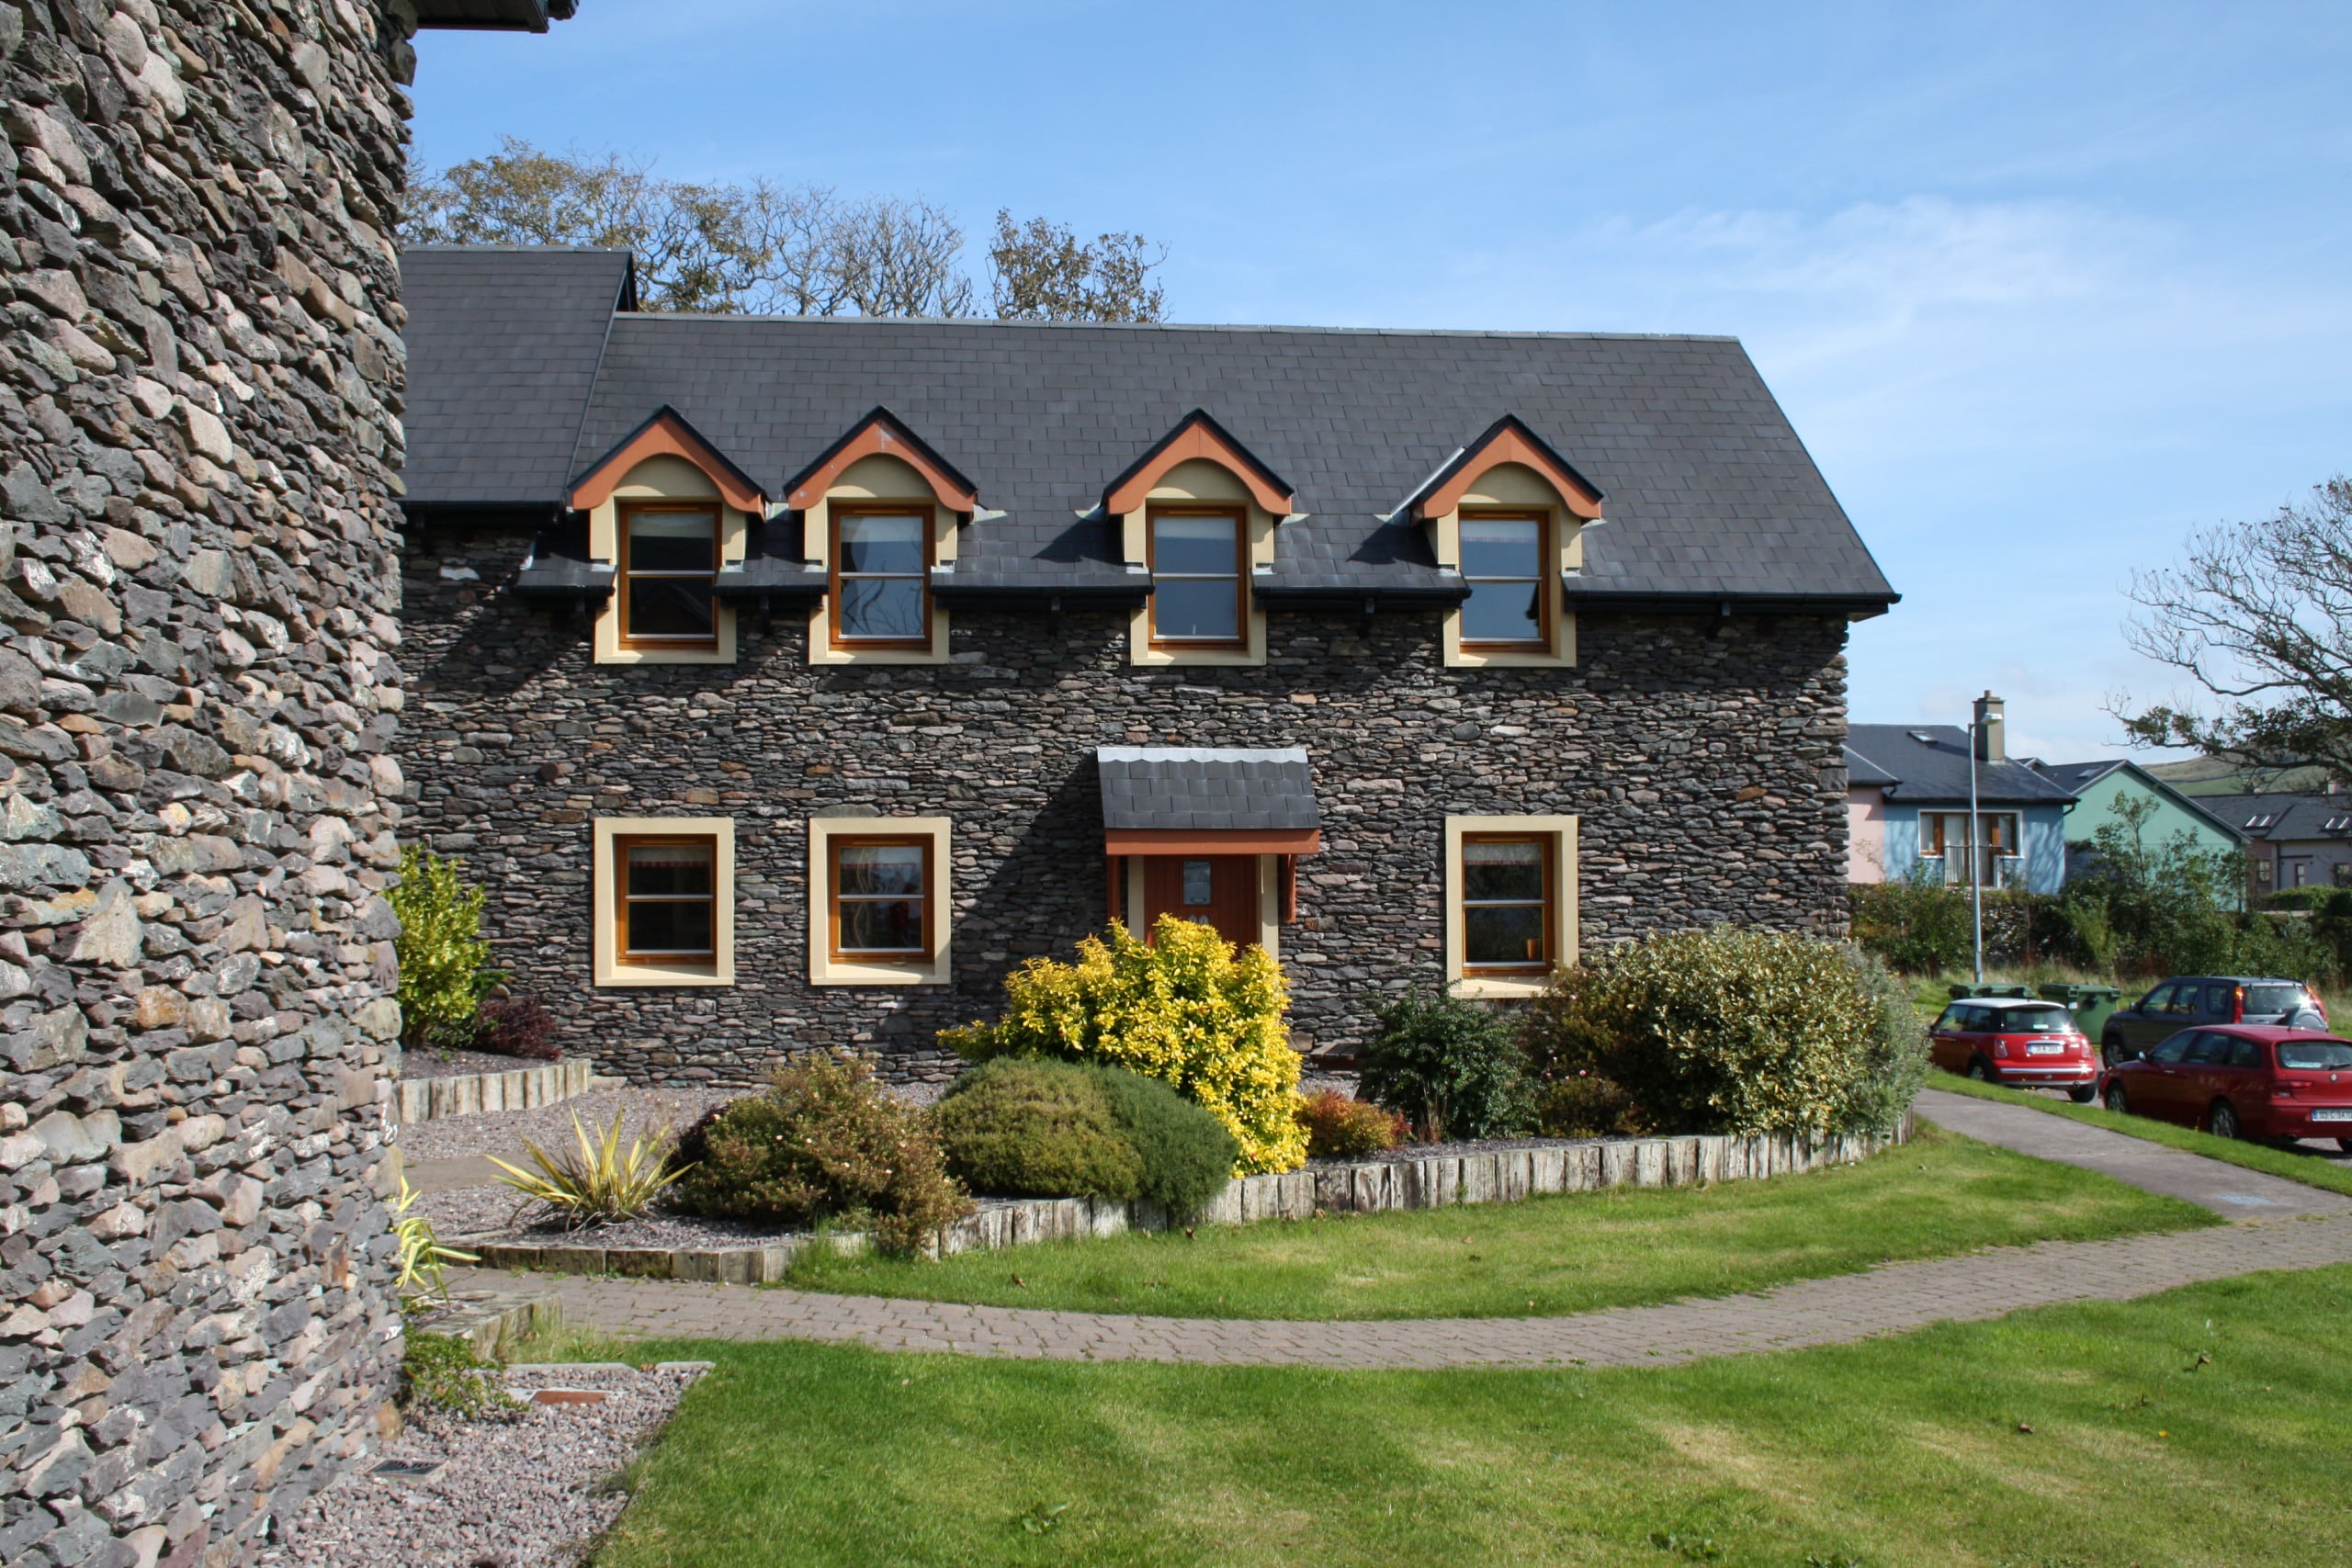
(881,563)
(669,574)
(1199,579)
(1502,561)
(881,893)
(1506,916)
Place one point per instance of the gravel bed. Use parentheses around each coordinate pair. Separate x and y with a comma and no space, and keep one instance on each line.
(430,1064)
(502,1132)
(515,1494)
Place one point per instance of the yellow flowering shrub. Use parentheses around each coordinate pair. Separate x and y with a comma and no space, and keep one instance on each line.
(1188,1008)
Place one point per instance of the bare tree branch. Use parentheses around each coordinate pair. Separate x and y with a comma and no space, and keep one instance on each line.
(1040,273)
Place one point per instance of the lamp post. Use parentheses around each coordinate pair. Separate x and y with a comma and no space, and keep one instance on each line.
(1975,857)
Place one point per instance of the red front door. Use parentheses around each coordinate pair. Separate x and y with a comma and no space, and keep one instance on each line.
(1217,890)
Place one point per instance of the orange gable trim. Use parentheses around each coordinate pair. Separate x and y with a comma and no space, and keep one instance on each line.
(882,436)
(1198,438)
(1508,442)
(1211,841)
(666,436)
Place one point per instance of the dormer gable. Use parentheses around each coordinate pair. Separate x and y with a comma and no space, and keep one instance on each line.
(882,433)
(665,435)
(1508,440)
(1198,438)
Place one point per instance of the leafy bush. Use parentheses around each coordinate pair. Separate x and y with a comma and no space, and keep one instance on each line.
(823,1143)
(442,1374)
(1449,1065)
(1586,1105)
(1188,1008)
(1733,1031)
(1068,1129)
(445,963)
(520,1027)
(1914,922)
(1340,1127)
(601,1182)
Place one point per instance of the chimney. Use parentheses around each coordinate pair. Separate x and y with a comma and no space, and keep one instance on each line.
(1990,745)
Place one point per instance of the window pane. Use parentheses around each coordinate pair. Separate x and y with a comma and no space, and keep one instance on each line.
(670,928)
(1508,935)
(1501,547)
(671,606)
(1502,870)
(671,541)
(882,544)
(884,869)
(1195,544)
(1195,609)
(895,926)
(882,607)
(669,870)
(1503,611)
(1199,882)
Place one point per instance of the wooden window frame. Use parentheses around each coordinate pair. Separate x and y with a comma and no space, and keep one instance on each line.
(626,513)
(622,899)
(1239,517)
(1549,845)
(1546,568)
(836,513)
(834,845)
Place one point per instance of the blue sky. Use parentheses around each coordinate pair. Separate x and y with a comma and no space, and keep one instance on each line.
(2042,286)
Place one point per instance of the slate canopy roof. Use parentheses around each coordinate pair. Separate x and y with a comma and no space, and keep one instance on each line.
(526,365)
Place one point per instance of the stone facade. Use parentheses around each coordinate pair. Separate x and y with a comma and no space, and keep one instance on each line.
(199,394)
(1703,756)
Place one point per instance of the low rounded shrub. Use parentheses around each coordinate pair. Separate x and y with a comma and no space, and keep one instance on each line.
(1340,1127)
(1586,1105)
(1068,1129)
(519,1026)
(824,1143)
(1449,1065)
(1735,1031)
(1188,1008)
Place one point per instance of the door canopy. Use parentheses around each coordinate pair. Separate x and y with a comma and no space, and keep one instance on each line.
(1184,800)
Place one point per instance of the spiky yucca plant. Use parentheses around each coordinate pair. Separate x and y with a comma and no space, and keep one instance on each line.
(422,1257)
(601,1183)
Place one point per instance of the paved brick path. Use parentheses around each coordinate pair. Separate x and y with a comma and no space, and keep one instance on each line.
(2284,1225)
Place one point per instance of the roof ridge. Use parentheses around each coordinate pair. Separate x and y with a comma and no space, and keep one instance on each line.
(995,323)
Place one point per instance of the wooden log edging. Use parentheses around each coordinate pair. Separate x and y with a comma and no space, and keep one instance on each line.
(469,1094)
(1435,1181)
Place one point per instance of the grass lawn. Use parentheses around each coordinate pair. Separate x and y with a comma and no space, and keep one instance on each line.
(2295,1164)
(1907,1452)
(1938,1195)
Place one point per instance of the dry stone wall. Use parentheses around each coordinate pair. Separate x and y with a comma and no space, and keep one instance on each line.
(199,376)
(1703,756)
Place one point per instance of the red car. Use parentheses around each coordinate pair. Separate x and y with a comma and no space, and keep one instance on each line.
(2243,1080)
(2026,1044)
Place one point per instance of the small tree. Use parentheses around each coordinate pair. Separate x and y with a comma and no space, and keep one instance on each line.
(1041,274)
(445,963)
(1449,1065)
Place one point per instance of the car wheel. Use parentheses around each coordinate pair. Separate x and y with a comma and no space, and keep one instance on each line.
(2084,1095)
(2307,1019)
(2222,1120)
(1979,1070)
(2117,1101)
(2110,1053)
(2344,1146)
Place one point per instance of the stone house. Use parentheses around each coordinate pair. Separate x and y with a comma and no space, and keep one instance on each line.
(788,681)
(200,379)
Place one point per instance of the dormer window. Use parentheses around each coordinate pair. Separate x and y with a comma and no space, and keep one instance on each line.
(1502,562)
(669,572)
(881,565)
(1199,584)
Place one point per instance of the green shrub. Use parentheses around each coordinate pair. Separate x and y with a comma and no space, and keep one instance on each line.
(1733,1031)
(1069,1129)
(1586,1105)
(1449,1065)
(823,1143)
(443,1375)
(445,964)
(1915,922)
(1338,1127)
(1188,1008)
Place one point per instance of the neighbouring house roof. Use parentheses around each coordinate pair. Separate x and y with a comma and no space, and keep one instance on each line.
(1928,764)
(2283,818)
(1206,789)
(1711,497)
(2080,776)
(1860,770)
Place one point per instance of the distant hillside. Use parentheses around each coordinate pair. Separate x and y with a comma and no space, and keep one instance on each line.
(2210,776)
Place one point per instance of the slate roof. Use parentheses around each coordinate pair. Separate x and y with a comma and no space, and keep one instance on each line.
(1206,789)
(1711,495)
(2293,817)
(502,350)
(1929,763)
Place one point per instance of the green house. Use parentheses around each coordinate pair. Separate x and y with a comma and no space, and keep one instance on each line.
(2100,787)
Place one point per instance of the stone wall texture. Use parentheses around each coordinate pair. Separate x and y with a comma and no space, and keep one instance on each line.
(1703,755)
(199,376)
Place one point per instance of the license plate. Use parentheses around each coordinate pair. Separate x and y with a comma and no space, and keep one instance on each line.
(2045,1050)
(2343,1114)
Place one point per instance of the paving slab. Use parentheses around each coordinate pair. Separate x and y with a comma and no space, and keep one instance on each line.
(456,1175)
(2229,1190)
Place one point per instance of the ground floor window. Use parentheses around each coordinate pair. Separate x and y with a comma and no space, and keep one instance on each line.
(664,901)
(1510,892)
(878,901)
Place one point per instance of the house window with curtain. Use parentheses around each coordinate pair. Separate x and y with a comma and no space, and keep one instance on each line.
(881,896)
(1507,915)
(1199,578)
(1943,839)
(668,577)
(667,900)
(881,567)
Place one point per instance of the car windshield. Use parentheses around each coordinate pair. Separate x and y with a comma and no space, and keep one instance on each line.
(2260,1000)
(2032,1021)
(2315,1055)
